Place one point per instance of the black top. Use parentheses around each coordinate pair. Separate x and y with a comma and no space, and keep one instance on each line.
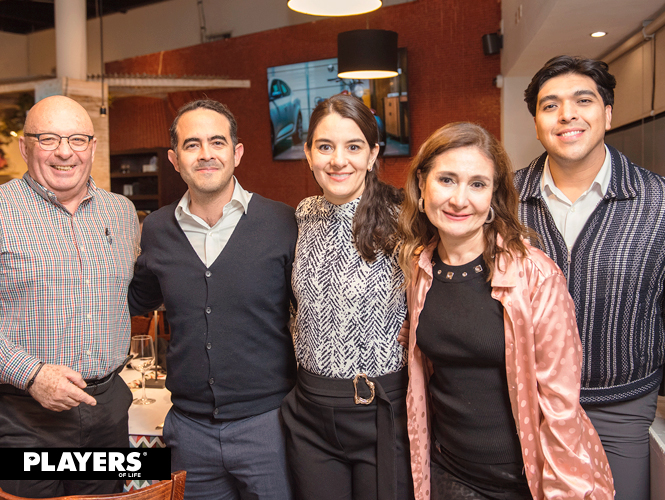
(230,354)
(461,331)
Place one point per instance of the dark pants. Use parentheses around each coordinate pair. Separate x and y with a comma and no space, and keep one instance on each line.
(332,442)
(24,423)
(229,460)
(623,429)
(456,479)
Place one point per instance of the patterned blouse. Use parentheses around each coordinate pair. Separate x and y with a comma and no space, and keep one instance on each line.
(349,310)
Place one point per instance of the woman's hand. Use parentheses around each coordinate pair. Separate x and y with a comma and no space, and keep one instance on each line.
(403,335)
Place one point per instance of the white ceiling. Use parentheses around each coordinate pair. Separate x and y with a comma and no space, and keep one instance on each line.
(548,28)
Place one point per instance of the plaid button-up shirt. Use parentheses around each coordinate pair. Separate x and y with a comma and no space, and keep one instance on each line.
(63,280)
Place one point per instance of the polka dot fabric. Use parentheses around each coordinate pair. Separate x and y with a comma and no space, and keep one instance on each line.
(562,453)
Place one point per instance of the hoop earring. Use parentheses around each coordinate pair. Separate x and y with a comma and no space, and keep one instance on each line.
(421,205)
(490,217)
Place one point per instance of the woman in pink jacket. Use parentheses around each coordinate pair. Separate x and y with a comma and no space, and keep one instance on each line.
(494,352)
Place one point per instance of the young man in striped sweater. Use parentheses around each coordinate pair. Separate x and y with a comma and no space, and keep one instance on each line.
(602,219)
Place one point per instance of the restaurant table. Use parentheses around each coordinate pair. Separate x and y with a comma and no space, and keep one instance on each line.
(144,420)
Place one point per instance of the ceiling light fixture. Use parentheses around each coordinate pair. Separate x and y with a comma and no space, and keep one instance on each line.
(336,8)
(598,34)
(367,54)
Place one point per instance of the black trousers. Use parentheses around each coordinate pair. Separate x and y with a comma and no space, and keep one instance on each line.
(453,478)
(24,423)
(338,449)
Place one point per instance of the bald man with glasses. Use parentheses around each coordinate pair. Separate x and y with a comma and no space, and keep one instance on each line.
(67,251)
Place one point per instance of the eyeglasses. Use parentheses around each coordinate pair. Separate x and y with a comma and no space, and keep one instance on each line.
(51,142)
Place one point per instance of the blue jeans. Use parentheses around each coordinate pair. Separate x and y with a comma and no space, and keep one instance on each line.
(229,460)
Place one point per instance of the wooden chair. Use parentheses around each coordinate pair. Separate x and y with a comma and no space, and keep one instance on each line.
(143,325)
(153,325)
(173,489)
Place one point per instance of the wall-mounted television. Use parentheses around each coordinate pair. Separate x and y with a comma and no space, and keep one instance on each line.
(294,90)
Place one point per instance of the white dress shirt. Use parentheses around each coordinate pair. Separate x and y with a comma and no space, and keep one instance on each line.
(208,242)
(570,217)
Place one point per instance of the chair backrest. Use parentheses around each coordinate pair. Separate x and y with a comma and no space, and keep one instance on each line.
(143,325)
(173,489)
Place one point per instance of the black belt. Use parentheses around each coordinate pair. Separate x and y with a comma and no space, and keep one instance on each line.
(364,390)
(100,385)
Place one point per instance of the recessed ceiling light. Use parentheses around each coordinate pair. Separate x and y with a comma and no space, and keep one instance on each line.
(598,34)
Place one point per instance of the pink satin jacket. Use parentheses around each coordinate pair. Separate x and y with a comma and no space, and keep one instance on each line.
(563,455)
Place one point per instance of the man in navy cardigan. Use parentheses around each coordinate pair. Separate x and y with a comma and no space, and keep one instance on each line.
(602,220)
(220,260)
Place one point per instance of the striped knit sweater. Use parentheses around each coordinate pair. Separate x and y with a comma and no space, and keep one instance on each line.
(616,274)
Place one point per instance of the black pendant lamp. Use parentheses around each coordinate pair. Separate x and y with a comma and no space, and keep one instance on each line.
(367,54)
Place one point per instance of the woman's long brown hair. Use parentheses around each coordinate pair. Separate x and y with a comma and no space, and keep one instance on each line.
(415,229)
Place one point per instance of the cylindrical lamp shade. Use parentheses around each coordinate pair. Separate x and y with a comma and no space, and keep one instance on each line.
(367,54)
(334,8)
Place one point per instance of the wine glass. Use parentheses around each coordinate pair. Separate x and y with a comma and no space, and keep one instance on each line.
(142,351)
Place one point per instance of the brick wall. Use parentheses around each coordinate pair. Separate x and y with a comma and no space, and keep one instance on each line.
(449,80)
(139,122)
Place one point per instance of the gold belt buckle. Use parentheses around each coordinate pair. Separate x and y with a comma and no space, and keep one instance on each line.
(357,399)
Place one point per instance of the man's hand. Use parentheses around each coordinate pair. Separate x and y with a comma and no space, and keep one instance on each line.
(59,388)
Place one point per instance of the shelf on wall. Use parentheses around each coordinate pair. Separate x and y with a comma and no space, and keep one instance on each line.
(147,190)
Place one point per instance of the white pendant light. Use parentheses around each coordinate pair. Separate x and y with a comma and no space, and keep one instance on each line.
(334,7)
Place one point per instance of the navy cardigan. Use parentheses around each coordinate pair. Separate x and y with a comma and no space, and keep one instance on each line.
(231,354)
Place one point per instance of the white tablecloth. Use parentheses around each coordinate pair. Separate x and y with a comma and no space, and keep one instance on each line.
(143,419)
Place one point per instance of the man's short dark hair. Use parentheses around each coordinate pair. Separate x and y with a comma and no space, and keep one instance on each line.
(598,71)
(212,105)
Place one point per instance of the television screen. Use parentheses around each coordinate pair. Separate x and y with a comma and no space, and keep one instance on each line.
(294,91)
